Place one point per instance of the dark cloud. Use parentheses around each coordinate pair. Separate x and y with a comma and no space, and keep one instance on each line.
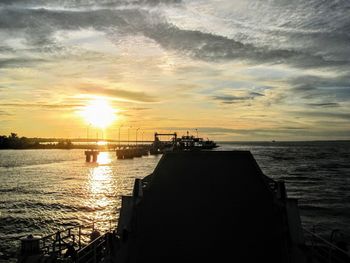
(119,94)
(211,47)
(39,25)
(324,105)
(318,90)
(230,99)
(19,62)
(5,50)
(256,94)
(309,83)
(84,3)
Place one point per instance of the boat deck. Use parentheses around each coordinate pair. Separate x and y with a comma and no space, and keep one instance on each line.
(207,206)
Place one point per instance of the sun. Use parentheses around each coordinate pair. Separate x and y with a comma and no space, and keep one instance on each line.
(99,113)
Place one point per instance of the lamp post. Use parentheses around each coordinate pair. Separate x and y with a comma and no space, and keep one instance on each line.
(119,133)
(87,132)
(129,134)
(197,132)
(136,134)
(87,135)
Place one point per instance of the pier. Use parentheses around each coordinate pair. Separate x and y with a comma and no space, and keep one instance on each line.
(91,155)
(130,152)
(134,149)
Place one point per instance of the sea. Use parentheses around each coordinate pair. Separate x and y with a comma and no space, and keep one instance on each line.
(43,191)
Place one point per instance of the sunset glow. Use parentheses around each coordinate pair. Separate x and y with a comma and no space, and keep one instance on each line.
(99,113)
(234,70)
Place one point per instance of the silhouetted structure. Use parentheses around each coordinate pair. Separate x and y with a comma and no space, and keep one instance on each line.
(200,206)
(14,142)
(183,143)
(91,155)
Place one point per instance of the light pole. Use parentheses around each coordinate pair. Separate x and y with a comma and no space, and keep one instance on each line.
(197,132)
(87,133)
(136,134)
(129,134)
(142,136)
(119,133)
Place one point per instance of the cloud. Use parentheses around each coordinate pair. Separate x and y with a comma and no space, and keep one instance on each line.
(325,105)
(309,83)
(230,99)
(211,47)
(4,113)
(139,108)
(322,114)
(86,3)
(19,62)
(256,94)
(41,105)
(119,94)
(40,24)
(321,91)
(300,48)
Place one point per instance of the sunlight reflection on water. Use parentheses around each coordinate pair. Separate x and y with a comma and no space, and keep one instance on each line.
(100,186)
(104,158)
(42,191)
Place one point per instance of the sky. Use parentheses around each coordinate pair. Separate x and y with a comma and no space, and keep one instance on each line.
(257,70)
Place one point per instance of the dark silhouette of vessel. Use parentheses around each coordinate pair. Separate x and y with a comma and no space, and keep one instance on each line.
(184,143)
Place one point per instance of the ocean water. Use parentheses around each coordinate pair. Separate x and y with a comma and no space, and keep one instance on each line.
(42,191)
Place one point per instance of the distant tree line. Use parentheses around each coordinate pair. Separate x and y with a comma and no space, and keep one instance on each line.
(14,142)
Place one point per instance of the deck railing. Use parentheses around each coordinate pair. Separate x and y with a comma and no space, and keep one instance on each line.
(322,250)
(94,252)
(79,237)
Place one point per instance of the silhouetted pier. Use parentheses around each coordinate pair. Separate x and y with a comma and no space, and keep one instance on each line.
(91,155)
(132,151)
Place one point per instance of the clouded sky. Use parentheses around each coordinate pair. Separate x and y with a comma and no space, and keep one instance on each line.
(235,70)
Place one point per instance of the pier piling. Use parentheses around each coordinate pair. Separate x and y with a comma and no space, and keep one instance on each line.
(91,155)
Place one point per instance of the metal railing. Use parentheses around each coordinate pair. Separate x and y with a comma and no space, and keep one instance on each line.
(56,243)
(95,251)
(324,251)
(78,237)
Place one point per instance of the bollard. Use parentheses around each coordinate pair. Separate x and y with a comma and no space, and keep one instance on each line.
(30,245)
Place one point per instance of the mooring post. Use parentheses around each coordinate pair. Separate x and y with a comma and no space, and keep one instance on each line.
(94,156)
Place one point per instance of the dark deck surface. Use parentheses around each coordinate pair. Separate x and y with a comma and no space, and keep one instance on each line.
(212,206)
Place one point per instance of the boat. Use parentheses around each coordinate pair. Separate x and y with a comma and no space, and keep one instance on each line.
(190,142)
(200,206)
(184,143)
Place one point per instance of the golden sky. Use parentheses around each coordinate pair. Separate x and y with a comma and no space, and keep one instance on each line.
(234,70)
